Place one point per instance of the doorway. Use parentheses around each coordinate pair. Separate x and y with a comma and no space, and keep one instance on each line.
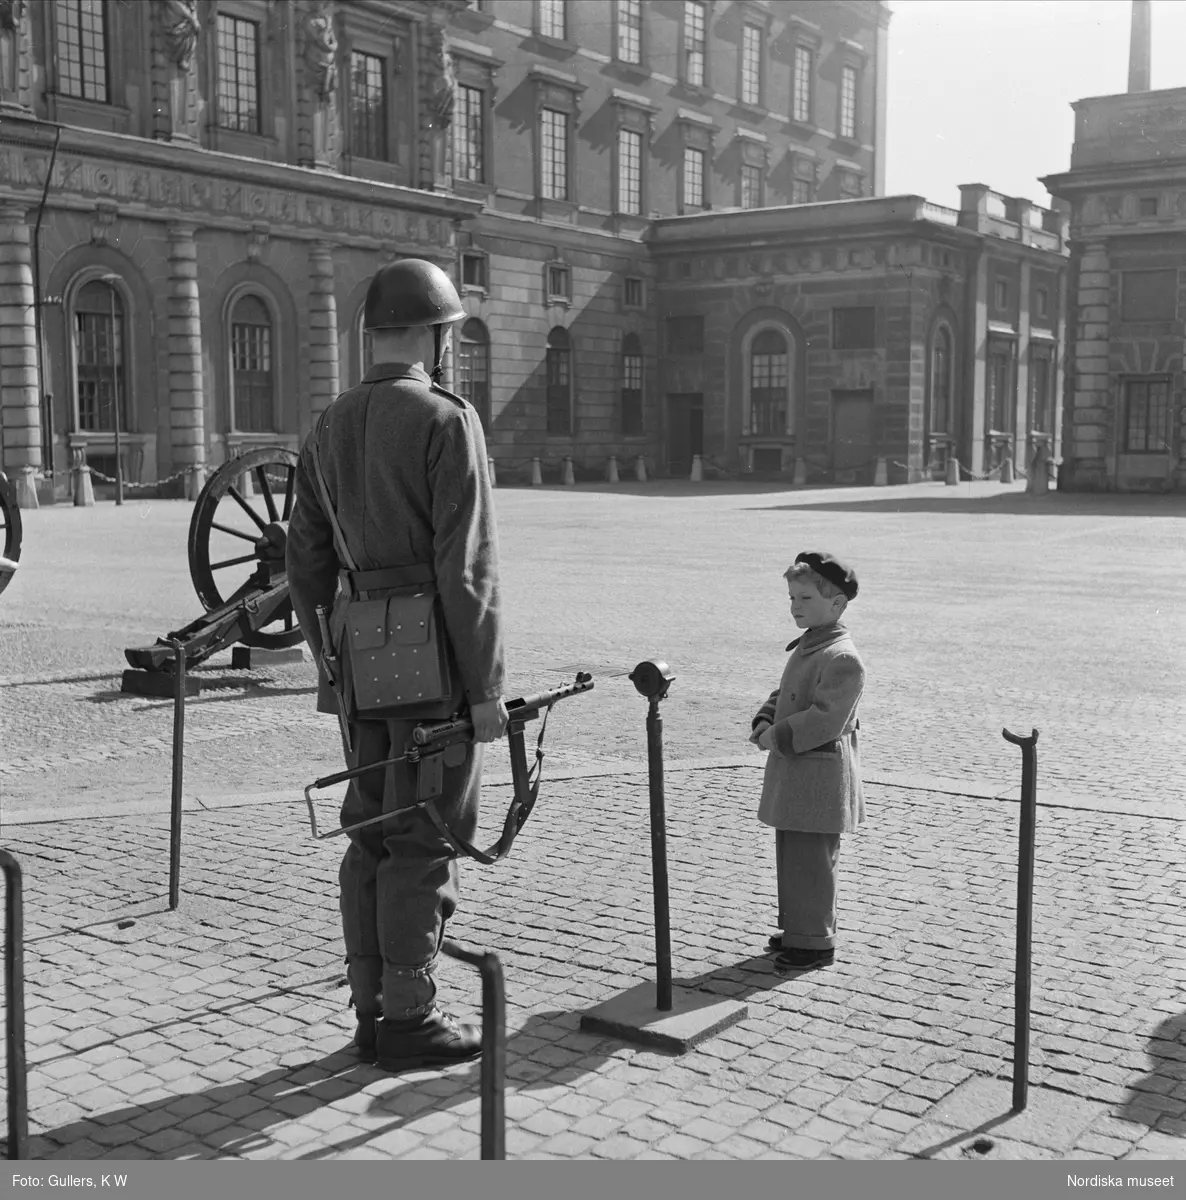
(685,431)
(852,436)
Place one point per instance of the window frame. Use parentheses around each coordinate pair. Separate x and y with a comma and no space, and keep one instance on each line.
(801,87)
(124,349)
(629,304)
(562,8)
(352,99)
(632,348)
(108,12)
(942,331)
(685,52)
(267,300)
(849,70)
(474,254)
(464,85)
(1001,350)
(570,383)
(639,197)
(258,21)
(557,268)
(692,154)
(639,63)
(547,169)
(1044,405)
(485,410)
(748,390)
(558,92)
(1164,441)
(759,29)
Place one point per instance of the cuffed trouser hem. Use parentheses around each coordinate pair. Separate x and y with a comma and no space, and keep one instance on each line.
(807,865)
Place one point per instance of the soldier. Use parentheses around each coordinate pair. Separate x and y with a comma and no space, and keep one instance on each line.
(405,468)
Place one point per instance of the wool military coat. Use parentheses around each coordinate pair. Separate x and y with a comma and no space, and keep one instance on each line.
(813,775)
(405,465)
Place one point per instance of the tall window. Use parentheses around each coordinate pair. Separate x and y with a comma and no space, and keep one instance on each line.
(469,135)
(1146,416)
(801,96)
(559,377)
(631,384)
(751,186)
(941,381)
(629,31)
(1000,390)
(238,74)
(1039,400)
(368,106)
(554,153)
(848,102)
(98,349)
(252,375)
(693,178)
(800,191)
(751,65)
(473,368)
(81,29)
(551,19)
(694,42)
(768,379)
(629,171)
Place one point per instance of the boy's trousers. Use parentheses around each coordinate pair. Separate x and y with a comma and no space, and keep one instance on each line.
(807,866)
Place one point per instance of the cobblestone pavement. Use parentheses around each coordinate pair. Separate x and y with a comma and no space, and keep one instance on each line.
(219,1030)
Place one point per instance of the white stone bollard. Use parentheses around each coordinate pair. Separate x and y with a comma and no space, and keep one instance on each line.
(1007,468)
(697,475)
(880,474)
(537,477)
(953,472)
(569,479)
(611,470)
(490,470)
(640,469)
(84,488)
(800,476)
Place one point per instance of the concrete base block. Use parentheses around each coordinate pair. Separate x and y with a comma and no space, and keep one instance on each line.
(694,1017)
(250,658)
(25,485)
(156,683)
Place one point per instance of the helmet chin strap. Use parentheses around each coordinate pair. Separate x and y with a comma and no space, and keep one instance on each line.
(437,366)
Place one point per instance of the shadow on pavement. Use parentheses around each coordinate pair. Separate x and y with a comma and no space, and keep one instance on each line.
(744,978)
(1167,1053)
(232,687)
(1054,504)
(232,1120)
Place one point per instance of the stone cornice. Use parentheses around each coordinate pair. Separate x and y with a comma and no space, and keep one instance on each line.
(168,182)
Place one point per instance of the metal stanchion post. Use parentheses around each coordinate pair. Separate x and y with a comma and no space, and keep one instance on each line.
(178,773)
(14,1004)
(652,680)
(494,1047)
(1025,914)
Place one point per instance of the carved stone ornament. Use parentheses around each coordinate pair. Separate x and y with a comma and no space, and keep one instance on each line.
(444,87)
(181,29)
(321,50)
(104,219)
(12,16)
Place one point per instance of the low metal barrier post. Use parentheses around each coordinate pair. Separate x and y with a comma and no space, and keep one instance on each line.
(494,1047)
(1025,914)
(178,773)
(14,1008)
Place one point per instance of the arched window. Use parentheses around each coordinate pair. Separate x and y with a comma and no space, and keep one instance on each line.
(631,384)
(559,374)
(769,376)
(253,380)
(473,368)
(941,382)
(99,357)
(366,350)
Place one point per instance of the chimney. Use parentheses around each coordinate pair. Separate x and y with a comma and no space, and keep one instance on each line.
(1140,48)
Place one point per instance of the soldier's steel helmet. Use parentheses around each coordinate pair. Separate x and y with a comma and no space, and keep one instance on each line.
(408,292)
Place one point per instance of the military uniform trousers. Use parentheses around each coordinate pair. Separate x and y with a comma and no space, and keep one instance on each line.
(399,878)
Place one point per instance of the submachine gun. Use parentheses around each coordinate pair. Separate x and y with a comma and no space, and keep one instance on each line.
(428,750)
(248,499)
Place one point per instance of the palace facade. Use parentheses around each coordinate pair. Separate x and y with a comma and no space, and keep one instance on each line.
(666,220)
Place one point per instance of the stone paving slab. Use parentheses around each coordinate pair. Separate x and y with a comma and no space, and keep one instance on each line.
(220,1030)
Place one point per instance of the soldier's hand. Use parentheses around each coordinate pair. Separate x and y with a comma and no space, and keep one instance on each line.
(490,720)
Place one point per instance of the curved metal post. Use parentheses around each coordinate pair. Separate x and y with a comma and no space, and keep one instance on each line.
(14,1005)
(1025,914)
(494,1047)
(178,772)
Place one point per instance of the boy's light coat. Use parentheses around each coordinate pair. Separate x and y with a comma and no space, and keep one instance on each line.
(813,775)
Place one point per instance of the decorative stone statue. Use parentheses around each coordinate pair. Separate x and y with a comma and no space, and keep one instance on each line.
(180,29)
(440,105)
(321,60)
(12,18)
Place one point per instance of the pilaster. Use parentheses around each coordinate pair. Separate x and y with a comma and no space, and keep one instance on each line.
(1090,414)
(20,415)
(323,329)
(187,409)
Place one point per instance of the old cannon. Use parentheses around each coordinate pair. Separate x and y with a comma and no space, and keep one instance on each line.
(237,537)
(10,532)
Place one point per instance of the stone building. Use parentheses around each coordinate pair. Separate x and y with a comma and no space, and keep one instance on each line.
(638,199)
(1125,423)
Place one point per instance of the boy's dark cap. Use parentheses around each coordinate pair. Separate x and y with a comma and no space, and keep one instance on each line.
(832,569)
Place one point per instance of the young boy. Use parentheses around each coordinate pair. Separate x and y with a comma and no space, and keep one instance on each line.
(811,793)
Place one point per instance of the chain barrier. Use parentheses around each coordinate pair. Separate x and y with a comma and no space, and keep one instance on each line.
(97,474)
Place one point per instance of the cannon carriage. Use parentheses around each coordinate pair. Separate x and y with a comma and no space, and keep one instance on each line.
(237,539)
(10,532)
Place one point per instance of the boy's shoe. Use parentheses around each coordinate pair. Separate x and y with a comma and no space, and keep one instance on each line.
(364,1036)
(435,1039)
(797,959)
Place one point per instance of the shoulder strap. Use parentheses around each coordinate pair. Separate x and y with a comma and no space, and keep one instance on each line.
(326,503)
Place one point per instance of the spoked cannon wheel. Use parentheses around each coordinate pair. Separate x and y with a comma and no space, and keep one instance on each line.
(240,523)
(10,531)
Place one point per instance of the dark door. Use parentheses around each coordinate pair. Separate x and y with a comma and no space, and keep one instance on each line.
(685,430)
(852,435)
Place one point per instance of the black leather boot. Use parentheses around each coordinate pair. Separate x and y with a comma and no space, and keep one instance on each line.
(435,1039)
